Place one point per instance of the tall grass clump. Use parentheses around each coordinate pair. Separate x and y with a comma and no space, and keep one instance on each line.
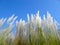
(34,31)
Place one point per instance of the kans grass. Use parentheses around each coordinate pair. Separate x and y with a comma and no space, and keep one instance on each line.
(34,31)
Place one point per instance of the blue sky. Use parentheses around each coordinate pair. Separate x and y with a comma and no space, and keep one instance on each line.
(22,7)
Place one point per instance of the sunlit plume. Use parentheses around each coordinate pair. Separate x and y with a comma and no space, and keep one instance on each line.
(35,28)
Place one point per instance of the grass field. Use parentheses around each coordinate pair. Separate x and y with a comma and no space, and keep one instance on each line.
(35,31)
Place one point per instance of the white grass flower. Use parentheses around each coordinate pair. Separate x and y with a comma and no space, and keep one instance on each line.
(36,31)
